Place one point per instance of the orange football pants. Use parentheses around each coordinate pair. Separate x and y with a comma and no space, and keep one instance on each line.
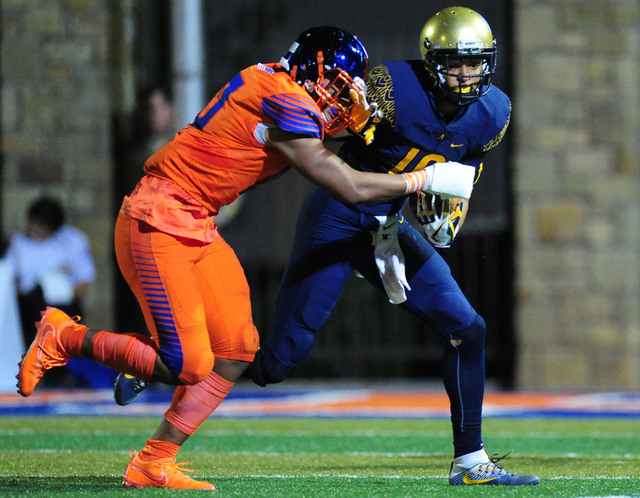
(194,296)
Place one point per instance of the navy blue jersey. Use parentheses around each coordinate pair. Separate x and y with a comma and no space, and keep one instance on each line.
(414,133)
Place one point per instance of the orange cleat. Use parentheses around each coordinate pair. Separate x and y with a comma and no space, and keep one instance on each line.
(160,473)
(45,351)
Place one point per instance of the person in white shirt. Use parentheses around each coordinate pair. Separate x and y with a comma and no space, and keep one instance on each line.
(52,265)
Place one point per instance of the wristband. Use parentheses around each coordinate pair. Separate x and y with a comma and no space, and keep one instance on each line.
(416,181)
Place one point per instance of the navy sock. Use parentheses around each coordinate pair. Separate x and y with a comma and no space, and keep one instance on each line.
(464,376)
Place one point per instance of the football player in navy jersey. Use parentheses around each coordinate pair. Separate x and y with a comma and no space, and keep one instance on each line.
(444,109)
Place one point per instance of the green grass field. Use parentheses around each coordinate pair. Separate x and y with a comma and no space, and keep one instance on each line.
(52,456)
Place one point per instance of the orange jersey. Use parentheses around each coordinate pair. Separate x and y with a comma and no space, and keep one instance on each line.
(212,161)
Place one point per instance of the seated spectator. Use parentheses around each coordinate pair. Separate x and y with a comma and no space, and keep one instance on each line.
(53,266)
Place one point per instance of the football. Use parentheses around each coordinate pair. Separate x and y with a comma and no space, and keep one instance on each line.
(440,219)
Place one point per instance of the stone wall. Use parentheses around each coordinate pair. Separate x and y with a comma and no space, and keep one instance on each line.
(55,115)
(577,123)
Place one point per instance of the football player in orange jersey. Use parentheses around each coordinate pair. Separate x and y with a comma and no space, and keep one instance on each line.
(188,281)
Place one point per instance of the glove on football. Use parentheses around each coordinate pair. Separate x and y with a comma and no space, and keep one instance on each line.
(440,221)
(364,115)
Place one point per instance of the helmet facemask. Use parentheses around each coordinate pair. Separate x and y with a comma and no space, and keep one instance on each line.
(469,87)
(452,36)
(331,93)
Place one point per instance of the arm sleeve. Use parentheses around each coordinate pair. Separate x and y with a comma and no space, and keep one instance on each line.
(380,90)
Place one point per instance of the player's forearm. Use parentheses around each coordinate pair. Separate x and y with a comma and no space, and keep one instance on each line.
(327,170)
(370,188)
(354,187)
(348,185)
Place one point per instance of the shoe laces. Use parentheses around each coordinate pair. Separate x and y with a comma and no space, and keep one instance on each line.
(492,465)
(177,471)
(47,360)
(179,467)
(169,463)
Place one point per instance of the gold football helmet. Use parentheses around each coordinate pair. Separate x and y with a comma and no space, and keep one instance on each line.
(458,33)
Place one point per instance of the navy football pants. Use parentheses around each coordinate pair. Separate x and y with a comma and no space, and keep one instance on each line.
(331,241)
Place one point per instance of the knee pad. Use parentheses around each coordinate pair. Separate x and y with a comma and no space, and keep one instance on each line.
(287,344)
(451,311)
(196,369)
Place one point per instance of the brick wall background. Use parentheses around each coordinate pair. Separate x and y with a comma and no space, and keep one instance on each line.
(576,179)
(65,74)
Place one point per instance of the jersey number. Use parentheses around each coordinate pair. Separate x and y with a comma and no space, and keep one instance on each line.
(408,159)
(424,162)
(201,121)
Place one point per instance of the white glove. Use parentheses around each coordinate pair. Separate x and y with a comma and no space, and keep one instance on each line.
(389,259)
(448,180)
(452,179)
(439,220)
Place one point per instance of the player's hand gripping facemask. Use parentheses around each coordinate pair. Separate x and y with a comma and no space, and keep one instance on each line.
(364,115)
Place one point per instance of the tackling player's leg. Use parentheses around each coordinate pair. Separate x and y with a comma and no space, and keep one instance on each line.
(59,337)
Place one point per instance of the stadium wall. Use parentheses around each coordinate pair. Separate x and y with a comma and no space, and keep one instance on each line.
(576,182)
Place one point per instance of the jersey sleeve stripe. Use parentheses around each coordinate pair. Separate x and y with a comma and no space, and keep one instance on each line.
(294,114)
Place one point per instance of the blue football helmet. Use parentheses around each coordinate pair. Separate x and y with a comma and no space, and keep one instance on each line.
(325,60)
(457,33)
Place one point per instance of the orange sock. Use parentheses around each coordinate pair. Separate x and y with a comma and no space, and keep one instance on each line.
(192,405)
(71,338)
(133,354)
(156,448)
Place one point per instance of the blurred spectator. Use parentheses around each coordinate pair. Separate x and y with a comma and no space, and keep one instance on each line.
(152,127)
(53,266)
